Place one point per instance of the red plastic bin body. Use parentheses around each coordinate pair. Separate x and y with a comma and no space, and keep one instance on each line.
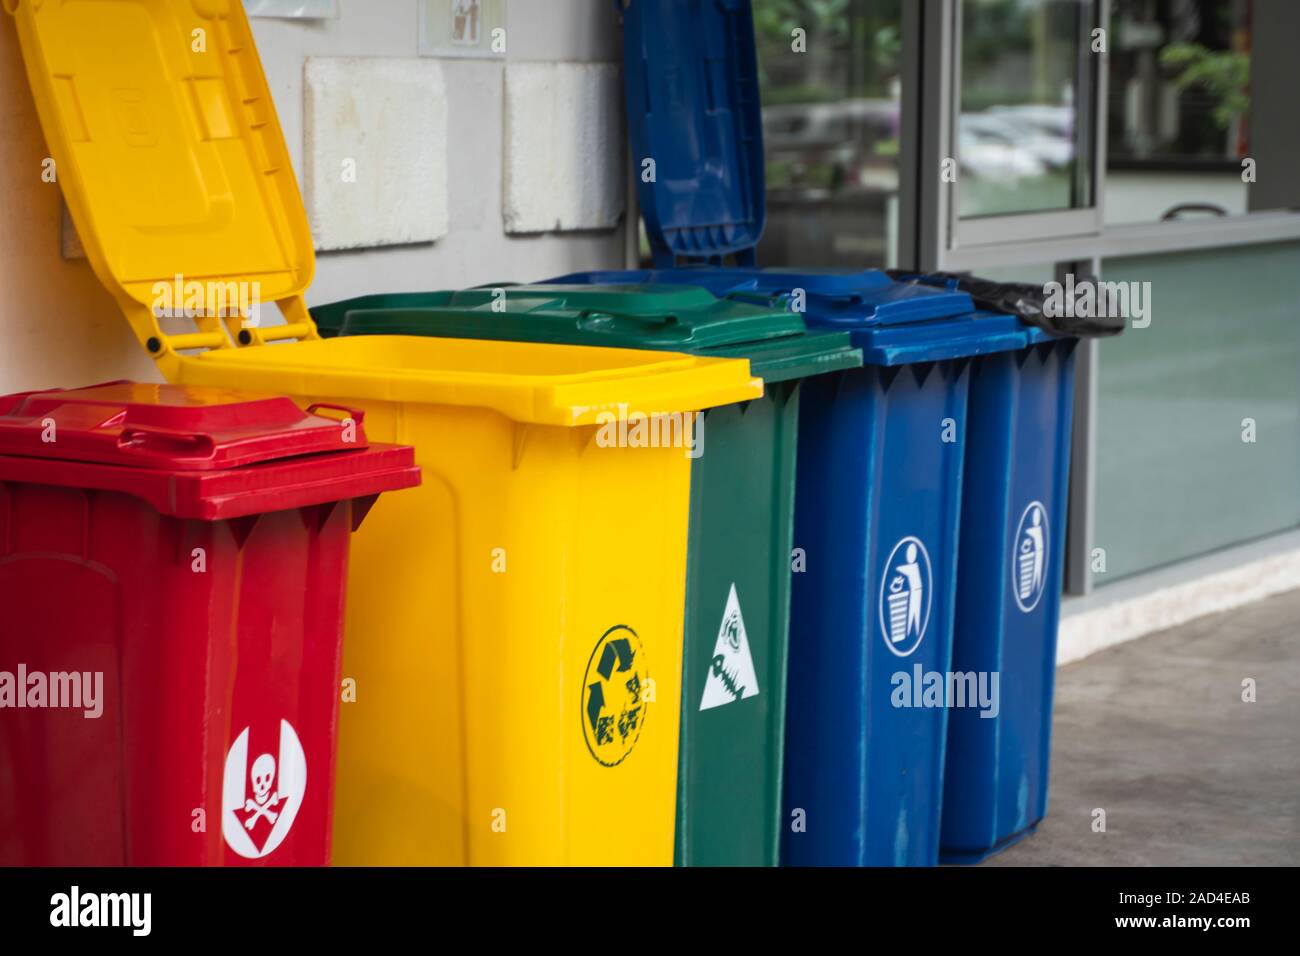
(217,638)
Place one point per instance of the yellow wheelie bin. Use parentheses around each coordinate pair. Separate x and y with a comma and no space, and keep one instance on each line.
(512,655)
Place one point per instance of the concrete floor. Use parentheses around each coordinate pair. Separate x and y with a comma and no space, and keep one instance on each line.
(1156,733)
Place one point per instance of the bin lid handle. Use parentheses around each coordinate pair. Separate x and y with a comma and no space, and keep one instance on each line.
(358,415)
(167,440)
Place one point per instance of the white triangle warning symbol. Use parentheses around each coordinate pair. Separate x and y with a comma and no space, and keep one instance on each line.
(731,670)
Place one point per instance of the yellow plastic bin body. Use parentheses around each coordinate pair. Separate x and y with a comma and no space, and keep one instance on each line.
(514,626)
(476,606)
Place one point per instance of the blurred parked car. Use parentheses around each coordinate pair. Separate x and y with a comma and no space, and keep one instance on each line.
(1046,131)
(832,146)
(990,146)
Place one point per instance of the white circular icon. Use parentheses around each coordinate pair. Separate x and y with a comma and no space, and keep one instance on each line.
(906,593)
(259,803)
(1029,552)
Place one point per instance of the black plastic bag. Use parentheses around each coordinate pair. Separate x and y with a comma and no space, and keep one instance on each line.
(1021,299)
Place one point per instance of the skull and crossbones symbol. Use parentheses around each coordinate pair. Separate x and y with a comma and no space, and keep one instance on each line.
(263,798)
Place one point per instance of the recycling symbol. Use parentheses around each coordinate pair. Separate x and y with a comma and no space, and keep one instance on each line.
(613,711)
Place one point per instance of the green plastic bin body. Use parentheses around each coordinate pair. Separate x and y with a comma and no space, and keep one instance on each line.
(741,523)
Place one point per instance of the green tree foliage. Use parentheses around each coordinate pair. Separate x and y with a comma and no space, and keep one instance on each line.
(1224,74)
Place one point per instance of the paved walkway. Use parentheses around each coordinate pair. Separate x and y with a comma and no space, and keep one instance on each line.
(1156,733)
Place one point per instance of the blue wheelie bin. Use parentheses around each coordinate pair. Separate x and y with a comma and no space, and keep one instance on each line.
(1009,582)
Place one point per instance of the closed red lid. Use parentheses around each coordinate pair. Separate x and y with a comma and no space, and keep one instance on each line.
(169,427)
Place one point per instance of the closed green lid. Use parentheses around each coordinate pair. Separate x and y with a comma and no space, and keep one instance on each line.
(676,318)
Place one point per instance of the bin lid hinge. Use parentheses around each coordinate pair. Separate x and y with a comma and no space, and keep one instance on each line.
(234,329)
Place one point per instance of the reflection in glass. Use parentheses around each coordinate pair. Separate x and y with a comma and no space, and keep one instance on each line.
(1019,138)
(830,127)
(1181,119)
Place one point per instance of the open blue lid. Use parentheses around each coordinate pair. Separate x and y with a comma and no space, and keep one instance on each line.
(690,75)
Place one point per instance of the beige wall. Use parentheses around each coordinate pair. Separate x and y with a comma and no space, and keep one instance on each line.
(58,327)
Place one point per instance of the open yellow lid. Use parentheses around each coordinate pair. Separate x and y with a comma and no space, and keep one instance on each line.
(171,158)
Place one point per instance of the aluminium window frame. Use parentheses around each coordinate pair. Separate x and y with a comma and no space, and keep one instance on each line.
(1079,241)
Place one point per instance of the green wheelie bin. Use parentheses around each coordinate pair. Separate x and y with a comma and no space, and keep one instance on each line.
(739,558)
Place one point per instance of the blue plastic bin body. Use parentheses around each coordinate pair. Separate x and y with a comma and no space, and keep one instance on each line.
(1009,582)
(876,485)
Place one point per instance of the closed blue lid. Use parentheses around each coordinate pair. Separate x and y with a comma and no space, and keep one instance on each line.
(893,323)
(690,73)
(982,333)
(842,300)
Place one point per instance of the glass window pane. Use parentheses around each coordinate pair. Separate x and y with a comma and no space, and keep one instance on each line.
(1197,88)
(830,127)
(1020,138)
(1198,435)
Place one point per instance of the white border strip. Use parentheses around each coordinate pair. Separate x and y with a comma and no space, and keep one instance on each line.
(1162,599)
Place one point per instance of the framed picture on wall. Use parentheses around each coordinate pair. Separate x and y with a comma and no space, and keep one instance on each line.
(465,28)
